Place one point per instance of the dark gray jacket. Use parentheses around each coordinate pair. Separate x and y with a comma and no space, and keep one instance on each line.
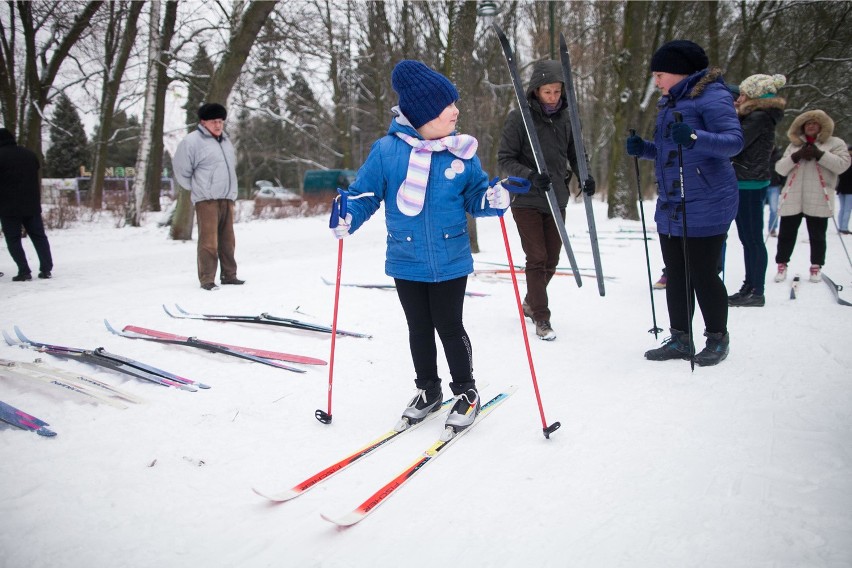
(20,189)
(515,155)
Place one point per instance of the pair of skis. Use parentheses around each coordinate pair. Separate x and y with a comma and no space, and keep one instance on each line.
(89,389)
(447,438)
(390,287)
(264,318)
(579,147)
(102,358)
(270,358)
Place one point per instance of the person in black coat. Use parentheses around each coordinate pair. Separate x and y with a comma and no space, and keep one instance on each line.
(538,231)
(759,110)
(20,206)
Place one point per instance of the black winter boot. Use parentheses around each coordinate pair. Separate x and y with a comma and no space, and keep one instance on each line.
(675,347)
(718,346)
(745,290)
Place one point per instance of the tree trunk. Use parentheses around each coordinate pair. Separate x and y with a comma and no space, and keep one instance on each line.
(155,160)
(112,82)
(135,205)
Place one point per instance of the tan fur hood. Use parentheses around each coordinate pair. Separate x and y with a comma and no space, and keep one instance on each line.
(796,133)
(751,105)
(710,77)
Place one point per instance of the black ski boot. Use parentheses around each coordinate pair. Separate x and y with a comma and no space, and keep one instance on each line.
(675,347)
(718,346)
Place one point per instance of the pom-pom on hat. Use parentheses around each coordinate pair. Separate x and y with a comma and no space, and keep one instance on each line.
(680,57)
(423,93)
(212,111)
(758,86)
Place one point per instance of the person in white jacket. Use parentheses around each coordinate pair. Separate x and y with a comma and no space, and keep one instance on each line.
(811,162)
(205,163)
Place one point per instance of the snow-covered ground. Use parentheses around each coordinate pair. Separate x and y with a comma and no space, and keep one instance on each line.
(747,464)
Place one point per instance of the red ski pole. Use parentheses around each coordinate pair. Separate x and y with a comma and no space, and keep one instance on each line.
(520,185)
(338,212)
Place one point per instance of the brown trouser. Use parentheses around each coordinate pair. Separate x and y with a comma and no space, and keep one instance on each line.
(541,243)
(216,242)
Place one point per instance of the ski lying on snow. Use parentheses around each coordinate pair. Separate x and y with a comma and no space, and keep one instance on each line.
(43,371)
(432,452)
(204,345)
(101,357)
(263,353)
(835,290)
(263,318)
(400,428)
(56,377)
(20,419)
(328,282)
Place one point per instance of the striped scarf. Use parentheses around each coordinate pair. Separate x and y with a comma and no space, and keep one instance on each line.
(412,192)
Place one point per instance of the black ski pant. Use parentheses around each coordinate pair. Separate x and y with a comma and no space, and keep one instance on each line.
(789,230)
(706,285)
(750,230)
(35,230)
(431,307)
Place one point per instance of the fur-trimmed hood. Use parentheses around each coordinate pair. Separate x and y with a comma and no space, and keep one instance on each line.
(712,75)
(796,132)
(750,105)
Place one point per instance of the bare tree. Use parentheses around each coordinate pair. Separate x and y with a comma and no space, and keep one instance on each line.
(118,41)
(49,30)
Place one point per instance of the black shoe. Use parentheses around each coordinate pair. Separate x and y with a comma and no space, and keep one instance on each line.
(45,275)
(750,300)
(21,277)
(234,281)
(745,290)
(717,349)
(210,286)
(675,347)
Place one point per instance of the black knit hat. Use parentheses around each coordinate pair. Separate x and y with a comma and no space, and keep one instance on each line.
(423,92)
(212,111)
(681,57)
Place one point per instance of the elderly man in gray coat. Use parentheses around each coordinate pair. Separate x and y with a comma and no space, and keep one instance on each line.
(205,163)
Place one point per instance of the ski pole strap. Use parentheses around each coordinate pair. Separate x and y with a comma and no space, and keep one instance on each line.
(512,184)
(338,208)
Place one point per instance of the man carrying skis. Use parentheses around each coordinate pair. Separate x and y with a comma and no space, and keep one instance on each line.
(536,225)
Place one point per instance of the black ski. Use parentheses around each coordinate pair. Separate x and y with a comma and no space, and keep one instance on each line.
(835,289)
(524,108)
(263,318)
(580,150)
(102,358)
(206,346)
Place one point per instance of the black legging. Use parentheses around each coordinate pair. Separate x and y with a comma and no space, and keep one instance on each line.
(437,306)
(817,227)
(704,253)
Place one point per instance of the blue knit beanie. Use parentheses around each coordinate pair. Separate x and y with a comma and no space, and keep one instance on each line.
(423,93)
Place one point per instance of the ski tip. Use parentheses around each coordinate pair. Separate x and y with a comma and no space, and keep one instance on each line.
(344,521)
(45,432)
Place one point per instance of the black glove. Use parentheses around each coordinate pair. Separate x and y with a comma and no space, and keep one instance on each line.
(810,152)
(635,145)
(682,134)
(589,186)
(797,155)
(539,181)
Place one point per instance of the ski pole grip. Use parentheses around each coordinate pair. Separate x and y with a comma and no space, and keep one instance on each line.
(633,132)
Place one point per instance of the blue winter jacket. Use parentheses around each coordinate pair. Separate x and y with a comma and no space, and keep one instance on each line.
(434,245)
(711,193)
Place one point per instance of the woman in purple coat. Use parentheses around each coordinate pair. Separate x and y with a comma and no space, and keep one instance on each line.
(710,135)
